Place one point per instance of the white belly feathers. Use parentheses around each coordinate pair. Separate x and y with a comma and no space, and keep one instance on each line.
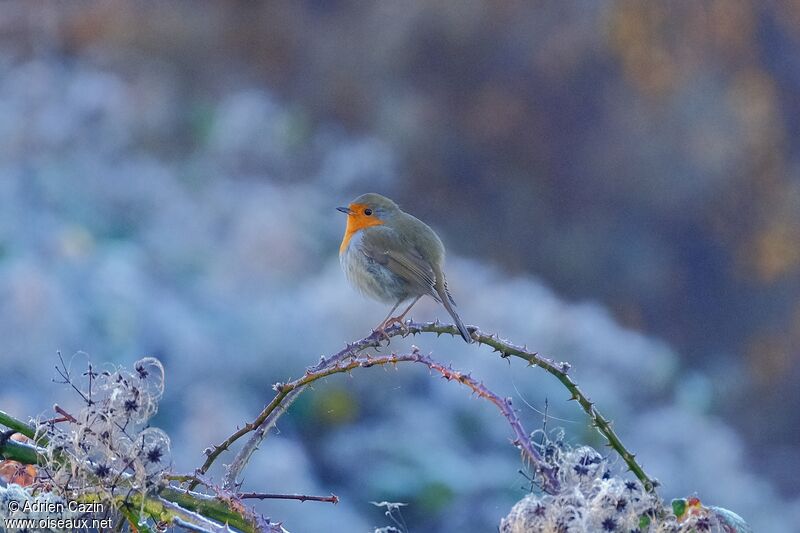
(369,277)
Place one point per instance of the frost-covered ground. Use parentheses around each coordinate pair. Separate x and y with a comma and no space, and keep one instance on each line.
(220,259)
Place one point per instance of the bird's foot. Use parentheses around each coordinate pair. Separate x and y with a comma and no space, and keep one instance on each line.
(381,331)
(396,320)
(386,324)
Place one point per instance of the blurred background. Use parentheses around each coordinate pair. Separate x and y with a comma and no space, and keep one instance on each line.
(617,184)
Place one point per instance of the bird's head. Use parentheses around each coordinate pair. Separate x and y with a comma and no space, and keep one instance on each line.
(367,210)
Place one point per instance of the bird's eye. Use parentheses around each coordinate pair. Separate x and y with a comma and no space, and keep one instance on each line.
(368,211)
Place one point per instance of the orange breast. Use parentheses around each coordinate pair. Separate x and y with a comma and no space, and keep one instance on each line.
(355,223)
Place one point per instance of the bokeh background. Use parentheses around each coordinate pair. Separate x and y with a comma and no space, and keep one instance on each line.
(617,183)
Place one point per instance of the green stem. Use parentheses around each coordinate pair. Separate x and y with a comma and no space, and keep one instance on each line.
(21,452)
(172,504)
(133,519)
(18,425)
(208,506)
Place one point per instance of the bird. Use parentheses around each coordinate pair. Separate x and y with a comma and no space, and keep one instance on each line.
(393,257)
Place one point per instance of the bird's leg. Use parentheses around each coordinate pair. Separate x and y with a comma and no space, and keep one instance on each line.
(382,326)
(386,321)
(399,319)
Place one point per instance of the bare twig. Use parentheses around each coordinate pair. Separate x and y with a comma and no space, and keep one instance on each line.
(65,416)
(333,498)
(64,372)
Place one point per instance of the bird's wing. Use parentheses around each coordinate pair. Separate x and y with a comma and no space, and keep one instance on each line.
(384,246)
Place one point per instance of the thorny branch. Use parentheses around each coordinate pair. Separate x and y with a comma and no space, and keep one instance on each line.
(267,418)
(521,440)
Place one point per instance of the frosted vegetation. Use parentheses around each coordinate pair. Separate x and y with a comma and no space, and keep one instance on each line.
(220,260)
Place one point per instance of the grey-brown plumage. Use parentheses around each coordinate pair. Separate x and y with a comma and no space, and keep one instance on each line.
(392,256)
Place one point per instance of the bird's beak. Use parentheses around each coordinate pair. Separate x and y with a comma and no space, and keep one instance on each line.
(345,210)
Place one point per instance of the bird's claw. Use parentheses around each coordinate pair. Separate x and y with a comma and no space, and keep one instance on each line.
(381,331)
(396,320)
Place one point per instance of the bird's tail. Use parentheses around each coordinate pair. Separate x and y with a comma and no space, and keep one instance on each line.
(448,303)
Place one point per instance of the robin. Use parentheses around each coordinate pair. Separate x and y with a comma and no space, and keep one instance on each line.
(393,257)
